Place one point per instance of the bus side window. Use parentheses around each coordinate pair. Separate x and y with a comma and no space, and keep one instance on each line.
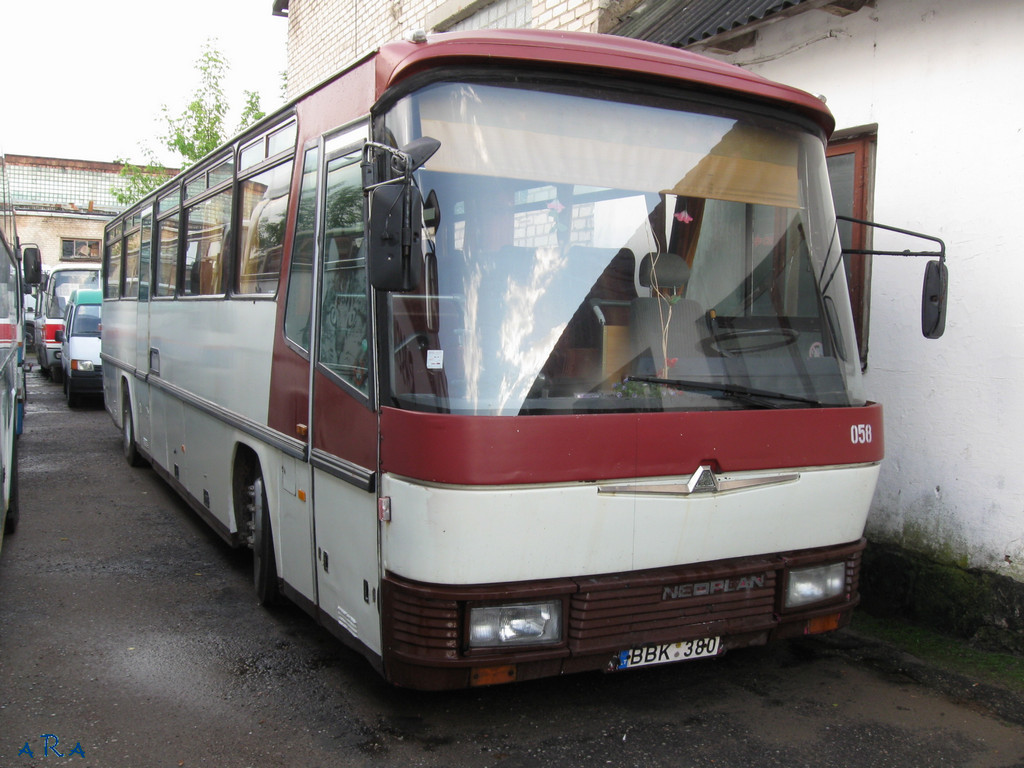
(264,210)
(167,269)
(207,225)
(344,311)
(299,303)
(113,271)
(131,265)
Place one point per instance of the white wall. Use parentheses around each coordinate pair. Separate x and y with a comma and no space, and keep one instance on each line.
(941,78)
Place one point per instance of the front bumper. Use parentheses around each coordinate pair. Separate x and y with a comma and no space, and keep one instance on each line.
(85,382)
(740,601)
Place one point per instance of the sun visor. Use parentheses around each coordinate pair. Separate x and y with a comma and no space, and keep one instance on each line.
(748,165)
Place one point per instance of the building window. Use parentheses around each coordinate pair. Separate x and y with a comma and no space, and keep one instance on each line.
(851,165)
(79,250)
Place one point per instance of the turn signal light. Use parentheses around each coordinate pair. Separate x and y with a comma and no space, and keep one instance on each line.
(493,675)
(822,624)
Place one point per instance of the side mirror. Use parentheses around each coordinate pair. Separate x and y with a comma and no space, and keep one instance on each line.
(933,300)
(936,280)
(393,240)
(58,336)
(32,264)
(395,217)
(418,151)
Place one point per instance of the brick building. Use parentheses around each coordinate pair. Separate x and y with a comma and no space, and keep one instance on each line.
(62,205)
(324,37)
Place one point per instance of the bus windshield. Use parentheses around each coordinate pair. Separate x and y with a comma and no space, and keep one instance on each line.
(605,252)
(66,282)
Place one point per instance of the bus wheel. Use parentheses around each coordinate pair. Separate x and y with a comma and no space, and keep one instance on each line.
(12,503)
(128,445)
(264,566)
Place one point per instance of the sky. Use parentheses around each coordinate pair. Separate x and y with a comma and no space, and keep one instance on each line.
(86,81)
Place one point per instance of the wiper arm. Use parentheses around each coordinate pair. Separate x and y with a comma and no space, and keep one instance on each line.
(735,391)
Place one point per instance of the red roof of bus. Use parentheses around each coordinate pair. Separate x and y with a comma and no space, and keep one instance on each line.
(397,61)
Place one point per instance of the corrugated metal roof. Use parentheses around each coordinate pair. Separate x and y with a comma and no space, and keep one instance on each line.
(680,23)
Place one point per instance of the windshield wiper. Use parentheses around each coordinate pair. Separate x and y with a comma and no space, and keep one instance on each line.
(734,391)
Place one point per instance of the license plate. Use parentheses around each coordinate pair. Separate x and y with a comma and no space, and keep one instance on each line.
(664,654)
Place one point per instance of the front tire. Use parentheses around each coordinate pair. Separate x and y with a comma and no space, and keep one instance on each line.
(13,508)
(264,565)
(128,444)
(71,396)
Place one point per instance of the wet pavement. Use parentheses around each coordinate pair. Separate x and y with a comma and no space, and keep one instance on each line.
(129,637)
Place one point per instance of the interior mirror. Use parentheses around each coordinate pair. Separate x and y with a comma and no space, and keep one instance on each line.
(32,264)
(933,300)
(394,263)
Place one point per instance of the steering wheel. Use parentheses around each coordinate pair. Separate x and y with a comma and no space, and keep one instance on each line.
(419,338)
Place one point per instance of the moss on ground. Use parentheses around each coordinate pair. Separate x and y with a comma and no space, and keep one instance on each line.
(952,654)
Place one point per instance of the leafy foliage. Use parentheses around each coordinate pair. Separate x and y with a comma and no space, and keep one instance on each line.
(137,181)
(193,134)
(200,128)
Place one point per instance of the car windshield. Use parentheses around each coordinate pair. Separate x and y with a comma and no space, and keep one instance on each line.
(589,254)
(86,321)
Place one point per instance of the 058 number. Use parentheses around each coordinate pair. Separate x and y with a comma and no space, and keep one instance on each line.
(860,433)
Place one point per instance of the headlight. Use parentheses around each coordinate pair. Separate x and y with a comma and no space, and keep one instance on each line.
(81,365)
(812,585)
(497,626)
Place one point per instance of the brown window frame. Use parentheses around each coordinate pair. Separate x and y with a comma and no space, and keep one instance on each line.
(93,244)
(861,144)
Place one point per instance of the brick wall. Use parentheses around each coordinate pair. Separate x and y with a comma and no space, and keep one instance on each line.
(47,231)
(325,37)
(57,199)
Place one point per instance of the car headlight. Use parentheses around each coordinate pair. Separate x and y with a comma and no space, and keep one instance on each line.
(82,365)
(812,585)
(495,626)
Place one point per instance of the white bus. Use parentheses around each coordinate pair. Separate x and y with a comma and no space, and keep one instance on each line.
(511,354)
(12,342)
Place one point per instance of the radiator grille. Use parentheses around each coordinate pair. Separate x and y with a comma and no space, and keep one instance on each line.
(616,612)
(424,627)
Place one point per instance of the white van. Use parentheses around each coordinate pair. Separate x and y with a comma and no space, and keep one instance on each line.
(80,346)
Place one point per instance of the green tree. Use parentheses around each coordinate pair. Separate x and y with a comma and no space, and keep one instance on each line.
(137,181)
(193,134)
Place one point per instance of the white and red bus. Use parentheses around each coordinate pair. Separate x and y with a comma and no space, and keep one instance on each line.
(511,354)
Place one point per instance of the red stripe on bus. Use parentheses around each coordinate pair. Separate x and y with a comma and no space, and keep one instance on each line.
(52,326)
(492,450)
